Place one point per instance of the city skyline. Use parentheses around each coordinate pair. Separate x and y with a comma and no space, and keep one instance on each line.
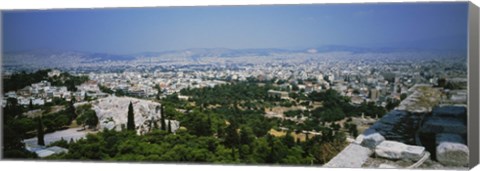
(134,30)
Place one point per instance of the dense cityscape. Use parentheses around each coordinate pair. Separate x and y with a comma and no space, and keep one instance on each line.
(321,99)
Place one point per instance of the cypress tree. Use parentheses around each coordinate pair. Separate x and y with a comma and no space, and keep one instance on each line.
(232,138)
(85,97)
(270,157)
(40,133)
(71,110)
(209,121)
(131,118)
(289,140)
(169,126)
(220,131)
(162,114)
(30,105)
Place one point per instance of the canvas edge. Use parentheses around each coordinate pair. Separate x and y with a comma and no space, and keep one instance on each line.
(473,84)
(1,83)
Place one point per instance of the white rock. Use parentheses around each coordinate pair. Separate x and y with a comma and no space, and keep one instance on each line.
(413,152)
(452,154)
(372,140)
(109,125)
(174,124)
(359,139)
(397,150)
(44,153)
(387,166)
(352,156)
(112,112)
(390,149)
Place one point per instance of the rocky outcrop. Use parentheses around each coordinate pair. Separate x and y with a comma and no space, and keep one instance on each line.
(422,99)
(451,150)
(397,150)
(112,114)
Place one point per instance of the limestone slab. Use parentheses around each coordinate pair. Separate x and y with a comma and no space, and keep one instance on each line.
(397,150)
(372,140)
(353,156)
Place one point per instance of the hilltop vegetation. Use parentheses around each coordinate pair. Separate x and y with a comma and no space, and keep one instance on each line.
(222,124)
(226,124)
(22,79)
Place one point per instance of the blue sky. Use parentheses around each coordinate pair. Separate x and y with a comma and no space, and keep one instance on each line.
(134,30)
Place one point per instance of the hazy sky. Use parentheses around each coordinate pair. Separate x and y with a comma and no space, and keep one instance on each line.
(132,30)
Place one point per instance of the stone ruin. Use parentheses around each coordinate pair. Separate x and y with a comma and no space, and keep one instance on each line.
(439,137)
(445,132)
(112,114)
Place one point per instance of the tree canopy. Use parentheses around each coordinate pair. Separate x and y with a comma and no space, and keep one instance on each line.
(130,118)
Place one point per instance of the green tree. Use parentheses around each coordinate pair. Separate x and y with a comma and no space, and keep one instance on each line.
(71,110)
(403,96)
(162,115)
(40,133)
(169,126)
(131,118)
(441,82)
(289,140)
(105,89)
(196,123)
(86,97)
(232,138)
(391,104)
(353,130)
(88,118)
(30,105)
(246,135)
(14,131)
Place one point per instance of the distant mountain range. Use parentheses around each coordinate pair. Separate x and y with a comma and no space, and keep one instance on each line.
(225,52)
(59,57)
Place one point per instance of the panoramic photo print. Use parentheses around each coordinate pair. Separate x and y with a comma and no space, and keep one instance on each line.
(380,85)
